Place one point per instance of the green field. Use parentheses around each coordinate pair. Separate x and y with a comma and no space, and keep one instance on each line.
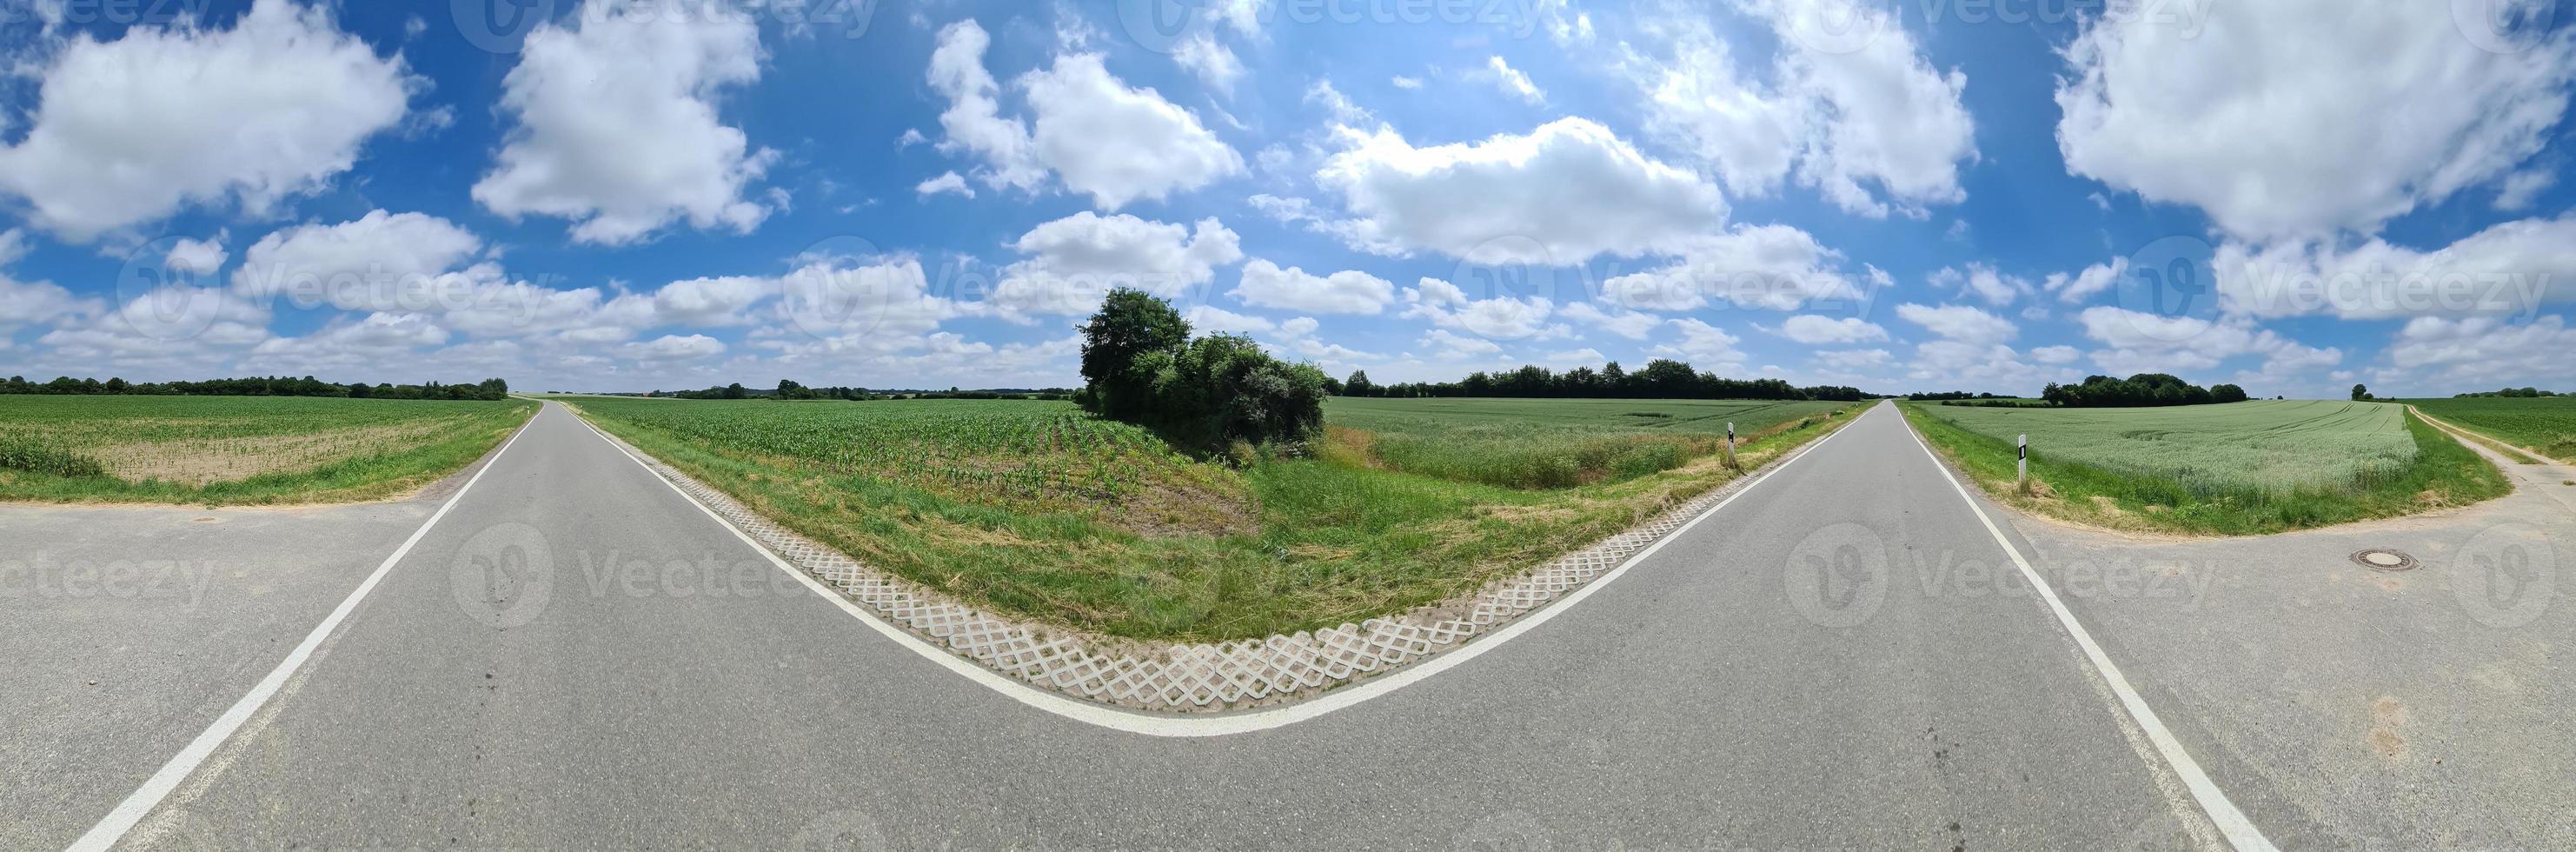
(2545,425)
(1038,509)
(222,450)
(2239,468)
(1552,443)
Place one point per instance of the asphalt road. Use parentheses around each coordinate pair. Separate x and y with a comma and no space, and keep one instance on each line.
(575,657)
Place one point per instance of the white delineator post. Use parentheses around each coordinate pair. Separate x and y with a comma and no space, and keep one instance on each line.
(2023,478)
(1730,439)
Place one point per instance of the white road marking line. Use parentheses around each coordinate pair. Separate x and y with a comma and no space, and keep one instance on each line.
(2232,823)
(1222,724)
(112,828)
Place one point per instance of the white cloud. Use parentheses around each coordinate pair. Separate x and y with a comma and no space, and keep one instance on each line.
(2299,117)
(973,122)
(198,257)
(1447,306)
(2144,342)
(1265,284)
(2517,190)
(1815,330)
(1406,83)
(1209,318)
(1983,282)
(2512,268)
(947,182)
(2482,353)
(1119,144)
(128,131)
(1870,127)
(1960,323)
(1561,195)
(1854,359)
(617,127)
(2084,285)
(1458,346)
(670,347)
(1632,325)
(1075,261)
(358,262)
(1213,64)
(1512,81)
(1705,346)
(1771,267)
(2056,354)
(710,301)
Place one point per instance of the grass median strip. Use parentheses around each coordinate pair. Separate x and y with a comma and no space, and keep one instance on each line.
(2245,468)
(1036,510)
(222,450)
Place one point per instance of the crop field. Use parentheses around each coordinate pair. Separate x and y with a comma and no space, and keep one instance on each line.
(1550,443)
(2247,467)
(238,450)
(1038,509)
(2544,425)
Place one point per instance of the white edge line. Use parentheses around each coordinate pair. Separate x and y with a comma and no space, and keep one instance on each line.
(2232,823)
(112,828)
(1216,725)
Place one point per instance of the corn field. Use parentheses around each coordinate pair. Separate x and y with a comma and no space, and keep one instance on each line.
(2263,446)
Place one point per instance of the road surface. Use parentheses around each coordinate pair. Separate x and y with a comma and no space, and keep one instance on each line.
(575,657)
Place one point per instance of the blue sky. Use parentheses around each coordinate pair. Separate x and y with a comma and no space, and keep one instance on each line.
(1908,195)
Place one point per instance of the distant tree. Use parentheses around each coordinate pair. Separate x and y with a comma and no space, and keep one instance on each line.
(2360,393)
(735,391)
(2226,393)
(1359,385)
(1130,325)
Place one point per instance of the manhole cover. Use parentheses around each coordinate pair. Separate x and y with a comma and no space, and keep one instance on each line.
(2384,560)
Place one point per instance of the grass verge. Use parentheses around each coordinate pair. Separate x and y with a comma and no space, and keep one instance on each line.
(2444,474)
(1331,540)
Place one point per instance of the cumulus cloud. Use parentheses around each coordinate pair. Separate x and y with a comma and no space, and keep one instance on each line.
(197,257)
(1117,143)
(1560,195)
(1771,267)
(2301,117)
(1984,283)
(1960,323)
(1073,262)
(354,264)
(2510,269)
(127,132)
(1265,284)
(2142,342)
(1874,128)
(1816,330)
(1512,81)
(1447,306)
(947,182)
(2074,289)
(617,126)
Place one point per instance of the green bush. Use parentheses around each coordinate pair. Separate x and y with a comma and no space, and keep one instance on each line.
(34,458)
(1207,393)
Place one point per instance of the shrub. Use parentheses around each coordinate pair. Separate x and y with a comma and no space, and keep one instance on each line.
(35,458)
(1208,393)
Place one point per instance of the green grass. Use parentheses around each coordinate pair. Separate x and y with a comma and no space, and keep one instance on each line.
(238,450)
(1036,509)
(2245,468)
(2546,425)
(1551,443)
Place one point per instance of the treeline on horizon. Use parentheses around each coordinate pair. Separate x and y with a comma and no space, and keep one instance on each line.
(486,390)
(2508,393)
(2144,390)
(1662,378)
(791,389)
